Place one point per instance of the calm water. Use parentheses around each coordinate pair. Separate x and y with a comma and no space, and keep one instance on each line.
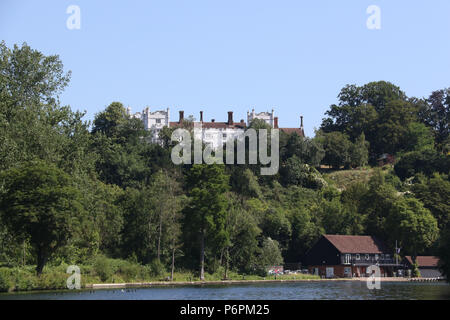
(285,291)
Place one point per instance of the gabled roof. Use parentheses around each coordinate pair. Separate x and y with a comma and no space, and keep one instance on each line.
(356,244)
(424,261)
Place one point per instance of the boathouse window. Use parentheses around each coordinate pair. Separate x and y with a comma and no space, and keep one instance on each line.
(367,257)
(347,258)
(358,257)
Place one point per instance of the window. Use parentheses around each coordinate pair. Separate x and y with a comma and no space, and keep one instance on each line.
(382,256)
(376,257)
(358,257)
(387,256)
(348,258)
(158,120)
(367,257)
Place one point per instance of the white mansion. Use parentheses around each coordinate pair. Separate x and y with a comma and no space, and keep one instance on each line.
(212,132)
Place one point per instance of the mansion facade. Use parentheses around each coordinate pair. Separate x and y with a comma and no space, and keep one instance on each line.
(212,132)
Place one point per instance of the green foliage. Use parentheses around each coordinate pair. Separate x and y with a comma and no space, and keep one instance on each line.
(412,224)
(103,268)
(297,173)
(40,204)
(415,271)
(337,149)
(444,253)
(270,253)
(157,269)
(71,195)
(434,193)
(426,161)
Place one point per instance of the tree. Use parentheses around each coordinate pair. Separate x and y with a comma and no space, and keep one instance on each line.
(412,224)
(40,204)
(359,151)
(270,253)
(418,137)
(337,149)
(165,192)
(427,162)
(437,115)
(434,193)
(294,172)
(309,151)
(110,120)
(444,253)
(205,215)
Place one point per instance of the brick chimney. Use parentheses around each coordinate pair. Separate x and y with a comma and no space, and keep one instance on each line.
(301,121)
(230,117)
(201,116)
(275,125)
(181,117)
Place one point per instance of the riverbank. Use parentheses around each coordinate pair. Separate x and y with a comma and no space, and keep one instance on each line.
(229,282)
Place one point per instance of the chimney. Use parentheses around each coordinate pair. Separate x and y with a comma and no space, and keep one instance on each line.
(230,117)
(275,125)
(201,116)
(181,117)
(301,121)
(213,120)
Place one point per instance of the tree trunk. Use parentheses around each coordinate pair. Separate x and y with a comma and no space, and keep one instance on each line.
(41,260)
(159,236)
(173,260)
(226,263)
(202,256)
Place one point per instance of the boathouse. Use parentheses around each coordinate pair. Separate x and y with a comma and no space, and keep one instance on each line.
(342,256)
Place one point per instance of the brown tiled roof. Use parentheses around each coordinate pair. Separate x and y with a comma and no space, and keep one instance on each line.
(299,131)
(356,244)
(424,261)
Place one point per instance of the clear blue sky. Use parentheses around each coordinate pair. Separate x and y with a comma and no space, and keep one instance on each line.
(218,56)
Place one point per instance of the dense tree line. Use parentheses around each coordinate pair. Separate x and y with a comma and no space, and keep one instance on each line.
(71,190)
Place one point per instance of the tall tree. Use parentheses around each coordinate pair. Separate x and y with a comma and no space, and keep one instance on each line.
(40,204)
(437,115)
(206,212)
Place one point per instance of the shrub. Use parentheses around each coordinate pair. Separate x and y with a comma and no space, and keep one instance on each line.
(157,269)
(6,280)
(103,268)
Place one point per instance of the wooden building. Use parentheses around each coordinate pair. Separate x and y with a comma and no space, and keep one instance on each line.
(428,266)
(349,256)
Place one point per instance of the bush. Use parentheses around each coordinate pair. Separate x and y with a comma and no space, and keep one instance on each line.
(6,280)
(103,268)
(157,269)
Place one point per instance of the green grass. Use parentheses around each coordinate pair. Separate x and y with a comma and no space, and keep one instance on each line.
(343,178)
(115,271)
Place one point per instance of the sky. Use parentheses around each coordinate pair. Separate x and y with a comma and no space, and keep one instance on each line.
(234,55)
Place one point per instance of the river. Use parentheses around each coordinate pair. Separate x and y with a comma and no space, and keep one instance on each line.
(335,290)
